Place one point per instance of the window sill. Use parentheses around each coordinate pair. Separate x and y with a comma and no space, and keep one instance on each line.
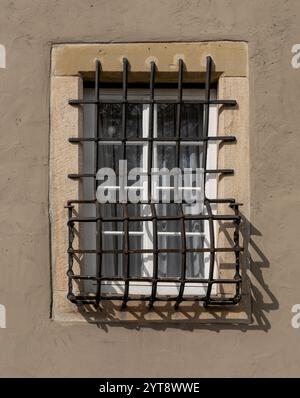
(163,312)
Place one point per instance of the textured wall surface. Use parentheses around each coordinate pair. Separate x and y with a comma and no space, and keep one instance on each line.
(32,344)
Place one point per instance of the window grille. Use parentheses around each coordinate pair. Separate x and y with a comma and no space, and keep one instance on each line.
(74,218)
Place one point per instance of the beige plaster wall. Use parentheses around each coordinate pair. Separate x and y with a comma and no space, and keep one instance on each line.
(32,344)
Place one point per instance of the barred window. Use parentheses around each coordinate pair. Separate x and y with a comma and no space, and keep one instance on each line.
(150,234)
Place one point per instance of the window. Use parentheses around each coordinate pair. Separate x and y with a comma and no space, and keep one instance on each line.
(158,248)
(164,156)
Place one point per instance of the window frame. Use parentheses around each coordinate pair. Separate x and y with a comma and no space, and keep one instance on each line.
(70,64)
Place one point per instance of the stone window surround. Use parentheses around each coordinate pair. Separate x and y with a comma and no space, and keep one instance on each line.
(70,65)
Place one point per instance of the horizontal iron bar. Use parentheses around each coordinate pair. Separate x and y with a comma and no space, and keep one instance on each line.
(74,176)
(86,299)
(224,200)
(93,201)
(141,251)
(150,279)
(226,138)
(158,218)
(155,101)
(225,301)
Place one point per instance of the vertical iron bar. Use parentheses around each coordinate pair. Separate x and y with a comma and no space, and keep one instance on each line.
(70,272)
(98,209)
(212,251)
(178,111)
(206,202)
(124,105)
(236,239)
(149,167)
(206,115)
(126,255)
(126,262)
(151,126)
(155,256)
(115,225)
(183,259)
(182,220)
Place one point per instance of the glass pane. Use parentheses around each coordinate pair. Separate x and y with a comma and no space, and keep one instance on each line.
(138,209)
(166,156)
(135,234)
(135,242)
(194,240)
(134,156)
(112,239)
(136,263)
(109,155)
(164,209)
(109,210)
(166,120)
(169,265)
(112,265)
(169,237)
(191,156)
(111,120)
(112,235)
(134,120)
(195,265)
(192,121)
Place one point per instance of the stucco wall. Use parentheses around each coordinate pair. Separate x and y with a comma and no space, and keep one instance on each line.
(32,344)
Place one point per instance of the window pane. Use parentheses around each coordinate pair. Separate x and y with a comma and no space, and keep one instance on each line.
(138,209)
(169,265)
(134,156)
(135,243)
(166,119)
(191,125)
(166,156)
(111,120)
(134,120)
(169,237)
(109,210)
(112,265)
(192,121)
(191,156)
(136,264)
(109,155)
(135,234)
(167,209)
(194,240)
(112,235)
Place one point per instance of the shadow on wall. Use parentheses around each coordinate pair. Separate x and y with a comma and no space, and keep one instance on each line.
(262,299)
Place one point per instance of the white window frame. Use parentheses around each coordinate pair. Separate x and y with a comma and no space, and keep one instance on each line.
(166,288)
